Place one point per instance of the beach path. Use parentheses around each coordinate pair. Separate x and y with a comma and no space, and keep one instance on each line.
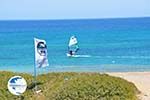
(140,79)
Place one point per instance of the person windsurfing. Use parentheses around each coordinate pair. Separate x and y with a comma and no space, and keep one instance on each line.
(73,46)
(70,52)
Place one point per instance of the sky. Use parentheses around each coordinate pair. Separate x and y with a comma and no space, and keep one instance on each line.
(72,9)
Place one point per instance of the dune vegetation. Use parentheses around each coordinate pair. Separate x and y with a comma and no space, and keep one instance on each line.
(71,86)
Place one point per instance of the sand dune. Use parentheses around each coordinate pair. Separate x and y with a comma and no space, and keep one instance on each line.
(140,79)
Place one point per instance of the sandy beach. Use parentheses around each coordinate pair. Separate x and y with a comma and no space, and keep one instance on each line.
(140,79)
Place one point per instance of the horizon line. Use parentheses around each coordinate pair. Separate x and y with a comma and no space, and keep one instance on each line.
(72,19)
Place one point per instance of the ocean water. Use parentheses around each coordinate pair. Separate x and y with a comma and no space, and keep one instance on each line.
(112,44)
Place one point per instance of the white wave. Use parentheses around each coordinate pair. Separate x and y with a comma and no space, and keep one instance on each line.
(124,57)
(121,57)
(81,56)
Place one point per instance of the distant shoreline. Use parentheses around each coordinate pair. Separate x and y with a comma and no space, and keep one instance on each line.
(91,69)
(112,68)
(62,71)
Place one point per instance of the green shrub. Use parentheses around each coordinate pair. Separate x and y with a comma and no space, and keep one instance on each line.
(71,86)
(96,87)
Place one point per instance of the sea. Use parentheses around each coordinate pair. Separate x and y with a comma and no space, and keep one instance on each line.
(106,45)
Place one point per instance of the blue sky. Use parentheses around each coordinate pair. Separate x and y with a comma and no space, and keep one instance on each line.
(73,9)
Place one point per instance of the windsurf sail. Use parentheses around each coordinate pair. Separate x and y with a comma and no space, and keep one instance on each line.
(73,45)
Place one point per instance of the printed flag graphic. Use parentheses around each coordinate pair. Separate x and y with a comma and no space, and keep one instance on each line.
(41,59)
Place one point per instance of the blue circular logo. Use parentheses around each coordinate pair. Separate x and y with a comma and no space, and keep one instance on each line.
(17,85)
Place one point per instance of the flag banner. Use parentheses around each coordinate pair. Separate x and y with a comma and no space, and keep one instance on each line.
(41,59)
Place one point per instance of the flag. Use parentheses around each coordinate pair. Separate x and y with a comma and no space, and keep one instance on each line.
(41,59)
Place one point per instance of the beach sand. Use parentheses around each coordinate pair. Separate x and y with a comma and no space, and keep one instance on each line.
(140,79)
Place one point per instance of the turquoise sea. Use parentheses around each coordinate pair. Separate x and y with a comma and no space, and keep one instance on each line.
(113,44)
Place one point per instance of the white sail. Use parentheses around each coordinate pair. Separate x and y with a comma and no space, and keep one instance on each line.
(73,41)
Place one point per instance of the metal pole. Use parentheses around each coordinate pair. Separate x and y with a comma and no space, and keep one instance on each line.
(35,69)
(35,77)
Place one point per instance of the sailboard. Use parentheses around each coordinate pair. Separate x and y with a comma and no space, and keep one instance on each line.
(73,46)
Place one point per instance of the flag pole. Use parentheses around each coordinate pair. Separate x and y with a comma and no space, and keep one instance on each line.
(35,77)
(40,58)
(35,69)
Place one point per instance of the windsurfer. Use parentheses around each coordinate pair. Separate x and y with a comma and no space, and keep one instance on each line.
(70,52)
